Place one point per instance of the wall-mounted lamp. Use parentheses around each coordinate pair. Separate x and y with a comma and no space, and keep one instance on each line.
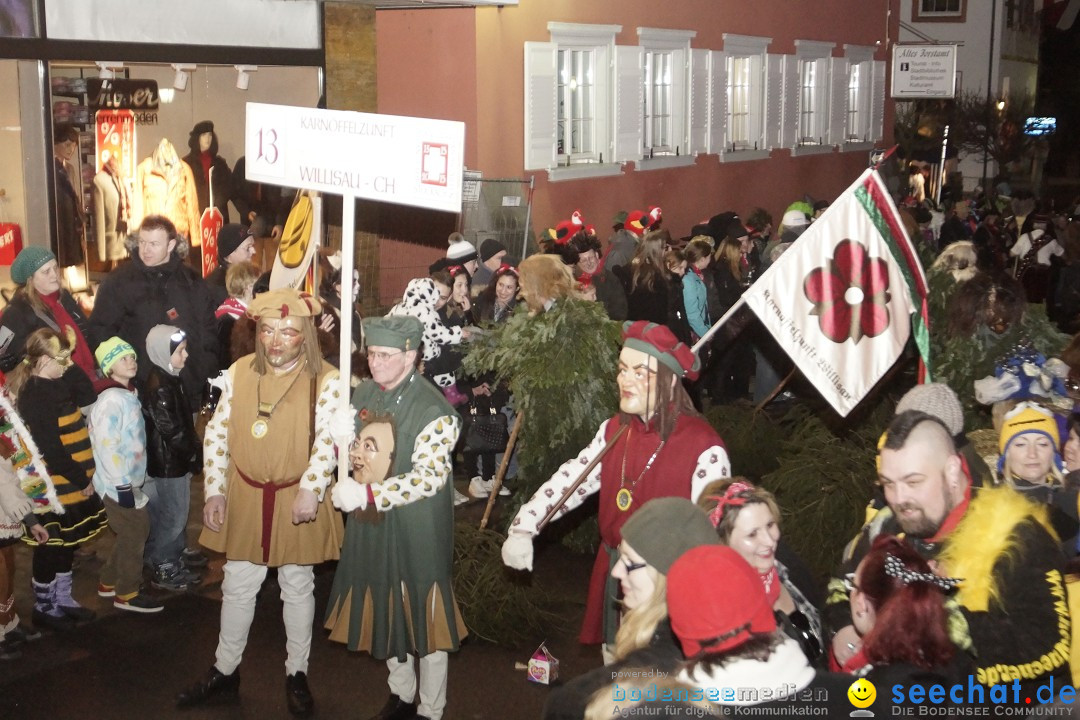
(107,68)
(243,79)
(1000,105)
(180,79)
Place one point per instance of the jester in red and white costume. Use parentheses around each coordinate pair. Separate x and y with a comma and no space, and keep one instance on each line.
(667,449)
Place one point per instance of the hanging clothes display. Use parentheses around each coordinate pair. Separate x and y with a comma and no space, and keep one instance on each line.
(165,186)
(112,212)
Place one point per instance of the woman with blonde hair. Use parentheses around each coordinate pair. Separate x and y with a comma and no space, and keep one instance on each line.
(652,540)
(747,519)
(545,279)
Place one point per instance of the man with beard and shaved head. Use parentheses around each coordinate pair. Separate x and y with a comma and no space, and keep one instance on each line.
(1010,610)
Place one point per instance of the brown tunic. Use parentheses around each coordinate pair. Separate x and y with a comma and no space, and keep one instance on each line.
(263,475)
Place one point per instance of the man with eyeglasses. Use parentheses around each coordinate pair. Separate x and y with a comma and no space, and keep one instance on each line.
(392,595)
(665,449)
(1010,611)
(156,287)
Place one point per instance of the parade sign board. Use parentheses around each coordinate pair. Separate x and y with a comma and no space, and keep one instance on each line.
(840,300)
(923,71)
(390,158)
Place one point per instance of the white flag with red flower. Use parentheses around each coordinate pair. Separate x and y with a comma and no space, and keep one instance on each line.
(841,300)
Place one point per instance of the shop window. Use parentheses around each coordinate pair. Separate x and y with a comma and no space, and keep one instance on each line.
(744,95)
(568,98)
(938,10)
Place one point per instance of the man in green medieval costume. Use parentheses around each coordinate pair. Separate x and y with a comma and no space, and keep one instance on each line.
(392,595)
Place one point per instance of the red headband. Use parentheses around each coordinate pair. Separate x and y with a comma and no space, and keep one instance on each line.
(728,498)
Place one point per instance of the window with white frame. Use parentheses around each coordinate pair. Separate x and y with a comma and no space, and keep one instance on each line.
(745,92)
(813,100)
(576,129)
(860,89)
(938,10)
(665,81)
(568,97)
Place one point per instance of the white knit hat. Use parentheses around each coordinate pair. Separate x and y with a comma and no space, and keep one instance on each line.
(460,249)
(937,399)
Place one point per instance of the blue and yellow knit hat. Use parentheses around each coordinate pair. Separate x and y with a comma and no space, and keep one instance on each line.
(110,351)
(1026,418)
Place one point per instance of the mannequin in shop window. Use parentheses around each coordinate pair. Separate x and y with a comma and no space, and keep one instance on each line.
(112,212)
(209,169)
(70,214)
(165,186)
(263,208)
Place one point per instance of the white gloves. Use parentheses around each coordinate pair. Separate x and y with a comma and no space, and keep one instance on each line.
(14,505)
(348,495)
(343,426)
(517,552)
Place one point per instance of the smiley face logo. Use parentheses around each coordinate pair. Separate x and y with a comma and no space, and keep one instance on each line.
(862,693)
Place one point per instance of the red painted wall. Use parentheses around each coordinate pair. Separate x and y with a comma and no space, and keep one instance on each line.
(495,131)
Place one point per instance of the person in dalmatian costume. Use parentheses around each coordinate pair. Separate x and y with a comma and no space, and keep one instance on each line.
(667,449)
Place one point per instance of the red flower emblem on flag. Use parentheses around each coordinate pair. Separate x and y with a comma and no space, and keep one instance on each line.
(850,294)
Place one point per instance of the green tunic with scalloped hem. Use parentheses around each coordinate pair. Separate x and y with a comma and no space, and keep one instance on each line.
(392,594)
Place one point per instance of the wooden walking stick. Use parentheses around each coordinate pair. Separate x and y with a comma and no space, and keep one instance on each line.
(502,469)
(581,478)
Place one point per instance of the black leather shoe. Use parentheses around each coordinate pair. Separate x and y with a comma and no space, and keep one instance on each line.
(298,696)
(214,689)
(396,709)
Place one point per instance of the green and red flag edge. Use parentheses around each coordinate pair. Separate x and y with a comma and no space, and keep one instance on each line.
(877,204)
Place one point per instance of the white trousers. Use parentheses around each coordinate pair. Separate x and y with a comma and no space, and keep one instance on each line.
(242,581)
(433,670)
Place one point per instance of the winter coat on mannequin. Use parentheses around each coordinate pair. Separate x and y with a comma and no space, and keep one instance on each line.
(165,186)
(207,165)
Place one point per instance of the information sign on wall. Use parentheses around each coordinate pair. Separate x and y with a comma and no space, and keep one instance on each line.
(923,71)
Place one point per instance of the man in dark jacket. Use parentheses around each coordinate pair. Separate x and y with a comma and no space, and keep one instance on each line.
(157,288)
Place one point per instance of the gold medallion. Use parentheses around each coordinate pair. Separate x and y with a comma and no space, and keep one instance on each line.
(259,429)
(623,500)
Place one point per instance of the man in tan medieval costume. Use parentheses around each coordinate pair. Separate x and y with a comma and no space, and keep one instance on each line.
(269,458)
(392,594)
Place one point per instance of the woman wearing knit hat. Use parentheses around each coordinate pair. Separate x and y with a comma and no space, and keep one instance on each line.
(653,539)
(747,519)
(41,301)
(725,626)
(461,252)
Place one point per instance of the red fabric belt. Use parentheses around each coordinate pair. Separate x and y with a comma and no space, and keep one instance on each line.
(269,499)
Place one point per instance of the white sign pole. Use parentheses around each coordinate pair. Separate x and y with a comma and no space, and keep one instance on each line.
(348,259)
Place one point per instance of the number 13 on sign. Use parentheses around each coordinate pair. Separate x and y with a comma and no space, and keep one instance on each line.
(264,142)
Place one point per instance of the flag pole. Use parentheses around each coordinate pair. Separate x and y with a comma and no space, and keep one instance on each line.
(716,325)
(348,259)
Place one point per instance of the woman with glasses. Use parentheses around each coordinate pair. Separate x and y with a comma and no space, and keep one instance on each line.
(747,519)
(898,610)
(652,539)
(48,395)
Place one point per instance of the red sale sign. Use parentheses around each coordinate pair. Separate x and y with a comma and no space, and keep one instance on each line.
(209,226)
(115,132)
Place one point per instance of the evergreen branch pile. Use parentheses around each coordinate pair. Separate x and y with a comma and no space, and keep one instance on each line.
(560,366)
(498,605)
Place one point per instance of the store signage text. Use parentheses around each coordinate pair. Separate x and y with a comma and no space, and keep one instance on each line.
(122,94)
(404,160)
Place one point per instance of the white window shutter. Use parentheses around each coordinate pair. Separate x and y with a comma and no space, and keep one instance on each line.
(629,102)
(541,104)
(789,129)
(877,104)
(699,101)
(774,99)
(717,101)
(838,100)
